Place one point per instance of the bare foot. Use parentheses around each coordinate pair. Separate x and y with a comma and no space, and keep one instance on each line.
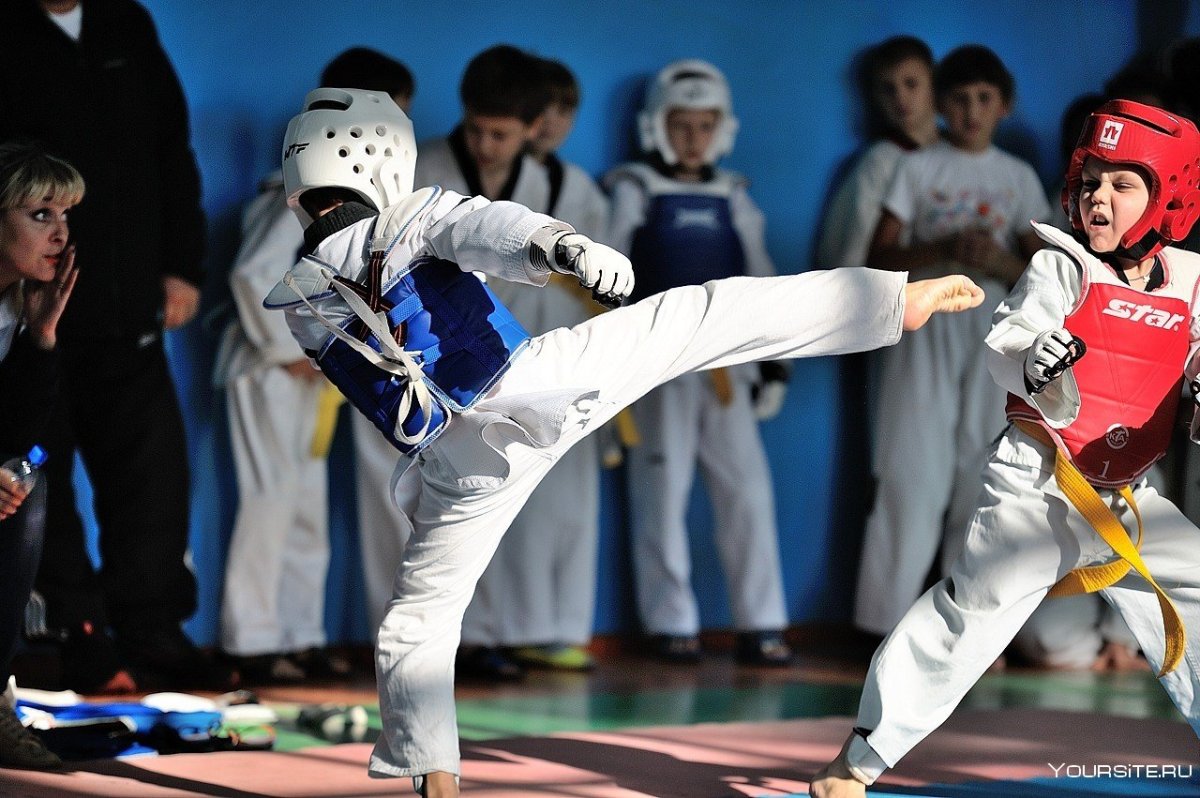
(950,294)
(1116,657)
(836,781)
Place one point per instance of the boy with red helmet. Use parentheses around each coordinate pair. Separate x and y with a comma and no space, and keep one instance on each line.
(1064,492)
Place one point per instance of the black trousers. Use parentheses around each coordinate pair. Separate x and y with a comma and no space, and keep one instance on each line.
(20,548)
(118,408)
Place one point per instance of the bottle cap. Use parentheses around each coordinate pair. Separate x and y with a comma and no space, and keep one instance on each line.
(36,456)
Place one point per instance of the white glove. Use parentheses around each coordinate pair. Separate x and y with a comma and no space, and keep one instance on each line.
(604,270)
(768,399)
(1043,363)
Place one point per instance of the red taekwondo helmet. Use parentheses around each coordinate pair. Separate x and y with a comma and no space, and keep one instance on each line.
(1165,145)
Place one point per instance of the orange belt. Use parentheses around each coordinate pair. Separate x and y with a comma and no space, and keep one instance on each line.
(722,386)
(1092,578)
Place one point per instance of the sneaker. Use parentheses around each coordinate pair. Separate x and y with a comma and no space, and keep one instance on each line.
(555,657)
(763,649)
(480,663)
(21,748)
(90,664)
(260,669)
(321,663)
(164,655)
(335,723)
(678,649)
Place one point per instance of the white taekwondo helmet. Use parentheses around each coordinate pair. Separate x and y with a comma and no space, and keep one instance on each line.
(353,139)
(693,84)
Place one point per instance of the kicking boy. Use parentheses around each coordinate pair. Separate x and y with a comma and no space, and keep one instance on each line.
(958,204)
(387,306)
(1064,488)
(684,221)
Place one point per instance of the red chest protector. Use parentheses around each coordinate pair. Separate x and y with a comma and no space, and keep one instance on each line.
(1129,380)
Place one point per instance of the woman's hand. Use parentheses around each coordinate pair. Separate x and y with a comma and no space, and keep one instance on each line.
(180,301)
(12,493)
(45,302)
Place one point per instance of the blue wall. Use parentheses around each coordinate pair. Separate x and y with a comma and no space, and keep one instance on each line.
(245,67)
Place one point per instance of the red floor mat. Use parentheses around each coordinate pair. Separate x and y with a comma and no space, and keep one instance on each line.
(700,761)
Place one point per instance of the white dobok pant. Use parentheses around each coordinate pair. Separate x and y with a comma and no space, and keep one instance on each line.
(383,523)
(1023,538)
(564,385)
(541,587)
(683,423)
(938,411)
(274,599)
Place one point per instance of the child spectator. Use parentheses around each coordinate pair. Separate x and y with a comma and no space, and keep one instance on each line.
(960,203)
(537,597)
(896,81)
(1064,489)
(684,221)
(281,422)
(503,103)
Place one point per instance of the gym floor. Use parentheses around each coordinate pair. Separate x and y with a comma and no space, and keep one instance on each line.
(634,727)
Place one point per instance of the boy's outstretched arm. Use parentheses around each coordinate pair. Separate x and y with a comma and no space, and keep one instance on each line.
(951,294)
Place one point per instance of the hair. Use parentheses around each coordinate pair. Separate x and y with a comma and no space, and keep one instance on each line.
(503,81)
(973,63)
(1139,80)
(1073,120)
(28,173)
(876,60)
(886,55)
(1183,77)
(364,68)
(561,83)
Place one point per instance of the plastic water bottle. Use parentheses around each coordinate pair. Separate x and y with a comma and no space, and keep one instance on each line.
(25,469)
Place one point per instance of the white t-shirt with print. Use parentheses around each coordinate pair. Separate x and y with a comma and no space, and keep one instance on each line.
(942,190)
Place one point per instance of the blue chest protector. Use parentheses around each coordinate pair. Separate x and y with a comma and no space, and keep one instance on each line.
(687,239)
(457,334)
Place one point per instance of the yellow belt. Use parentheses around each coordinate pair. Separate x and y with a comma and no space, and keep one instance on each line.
(328,403)
(1092,578)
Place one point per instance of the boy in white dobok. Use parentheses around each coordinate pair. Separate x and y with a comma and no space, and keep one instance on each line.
(386,304)
(683,220)
(1092,346)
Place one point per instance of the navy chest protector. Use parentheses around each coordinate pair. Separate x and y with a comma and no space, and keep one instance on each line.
(687,239)
(431,343)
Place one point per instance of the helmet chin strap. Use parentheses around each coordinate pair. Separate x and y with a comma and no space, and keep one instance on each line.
(1138,252)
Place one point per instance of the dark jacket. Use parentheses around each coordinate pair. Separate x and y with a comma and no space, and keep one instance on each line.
(28,386)
(111,105)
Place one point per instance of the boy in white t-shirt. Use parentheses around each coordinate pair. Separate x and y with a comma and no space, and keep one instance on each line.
(959,204)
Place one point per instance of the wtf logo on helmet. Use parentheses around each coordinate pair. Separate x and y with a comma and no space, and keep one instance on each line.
(1110,134)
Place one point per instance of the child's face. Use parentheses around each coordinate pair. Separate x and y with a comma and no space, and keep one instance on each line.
(32,238)
(690,133)
(495,142)
(1112,199)
(556,125)
(904,95)
(972,112)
